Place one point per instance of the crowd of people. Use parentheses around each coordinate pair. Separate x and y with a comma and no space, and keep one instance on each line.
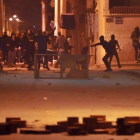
(21,48)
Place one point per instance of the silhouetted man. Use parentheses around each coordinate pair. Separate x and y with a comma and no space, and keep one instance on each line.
(42,41)
(60,44)
(135,42)
(113,43)
(107,48)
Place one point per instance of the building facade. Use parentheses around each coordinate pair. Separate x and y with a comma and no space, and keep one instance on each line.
(115,17)
(101,17)
(1,17)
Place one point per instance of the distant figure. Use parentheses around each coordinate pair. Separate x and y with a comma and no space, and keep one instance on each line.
(85,48)
(12,47)
(42,41)
(135,42)
(107,48)
(84,43)
(30,49)
(113,43)
(5,39)
(69,39)
(25,45)
(60,44)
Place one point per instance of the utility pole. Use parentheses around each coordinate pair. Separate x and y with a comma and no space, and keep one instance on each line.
(43,16)
(1,17)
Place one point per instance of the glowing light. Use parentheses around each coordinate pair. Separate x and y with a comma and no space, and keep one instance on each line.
(14,16)
(10,19)
(17,19)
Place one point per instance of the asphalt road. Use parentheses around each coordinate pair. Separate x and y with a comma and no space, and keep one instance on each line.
(114,94)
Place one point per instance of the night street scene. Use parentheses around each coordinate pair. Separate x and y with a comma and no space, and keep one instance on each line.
(69,69)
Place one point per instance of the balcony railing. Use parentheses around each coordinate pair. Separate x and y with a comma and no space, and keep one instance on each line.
(125,10)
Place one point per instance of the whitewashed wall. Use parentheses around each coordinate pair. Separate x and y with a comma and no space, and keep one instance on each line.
(123,33)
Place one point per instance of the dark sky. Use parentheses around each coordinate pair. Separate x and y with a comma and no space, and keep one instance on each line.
(28,11)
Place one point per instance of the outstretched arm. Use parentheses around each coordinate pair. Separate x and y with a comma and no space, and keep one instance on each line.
(51,32)
(95,45)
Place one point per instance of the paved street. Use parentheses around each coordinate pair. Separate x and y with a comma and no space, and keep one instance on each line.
(114,94)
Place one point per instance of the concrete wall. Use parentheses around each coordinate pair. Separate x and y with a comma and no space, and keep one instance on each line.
(123,33)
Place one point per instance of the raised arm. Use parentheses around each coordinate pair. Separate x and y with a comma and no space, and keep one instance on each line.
(95,45)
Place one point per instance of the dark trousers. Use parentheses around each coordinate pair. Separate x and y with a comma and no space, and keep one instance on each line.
(84,52)
(105,60)
(5,55)
(11,57)
(136,48)
(30,58)
(45,63)
(117,57)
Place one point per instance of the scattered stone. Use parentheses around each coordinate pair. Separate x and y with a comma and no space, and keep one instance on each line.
(4,129)
(15,76)
(63,125)
(99,117)
(82,126)
(100,131)
(45,98)
(13,127)
(73,130)
(117,83)
(8,120)
(106,76)
(20,123)
(37,120)
(133,79)
(37,132)
(91,124)
(54,128)
(104,125)
(72,120)
(49,84)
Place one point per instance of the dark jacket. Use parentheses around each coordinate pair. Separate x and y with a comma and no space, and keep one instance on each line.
(12,45)
(25,43)
(105,45)
(42,43)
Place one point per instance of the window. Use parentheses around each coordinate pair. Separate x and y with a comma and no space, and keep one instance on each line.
(123,3)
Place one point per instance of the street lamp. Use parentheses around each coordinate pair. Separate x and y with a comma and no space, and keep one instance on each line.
(10,19)
(17,19)
(14,23)
(14,16)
